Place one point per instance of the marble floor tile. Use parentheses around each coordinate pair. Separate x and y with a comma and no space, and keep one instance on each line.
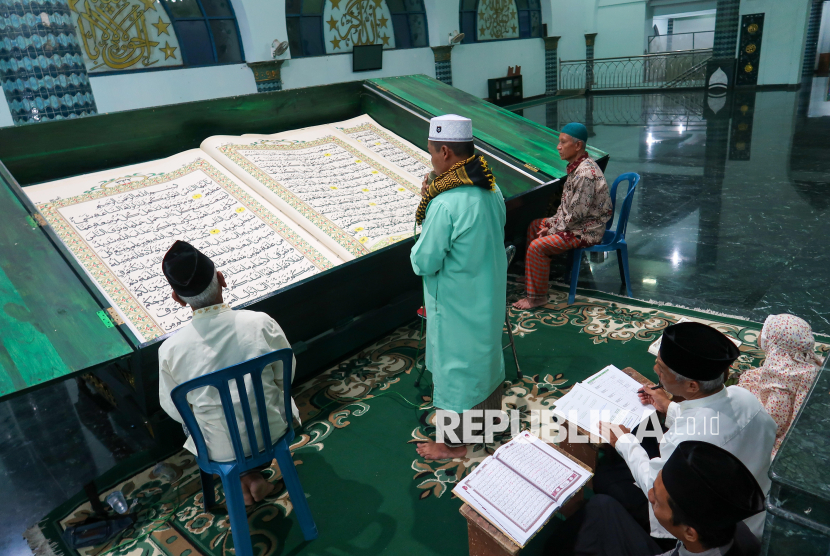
(731,206)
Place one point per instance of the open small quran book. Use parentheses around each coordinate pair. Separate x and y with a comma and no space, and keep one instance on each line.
(654,348)
(521,485)
(609,395)
(270,210)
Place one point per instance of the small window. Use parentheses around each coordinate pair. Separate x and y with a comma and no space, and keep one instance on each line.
(207,31)
(320,27)
(410,21)
(488,20)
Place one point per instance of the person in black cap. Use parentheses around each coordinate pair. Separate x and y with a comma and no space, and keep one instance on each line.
(692,364)
(701,496)
(217,337)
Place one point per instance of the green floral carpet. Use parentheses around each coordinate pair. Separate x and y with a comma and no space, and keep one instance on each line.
(368,489)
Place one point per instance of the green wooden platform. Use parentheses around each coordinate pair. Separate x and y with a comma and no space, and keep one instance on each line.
(49,322)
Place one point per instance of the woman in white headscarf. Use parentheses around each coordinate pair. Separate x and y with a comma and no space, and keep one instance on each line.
(782,383)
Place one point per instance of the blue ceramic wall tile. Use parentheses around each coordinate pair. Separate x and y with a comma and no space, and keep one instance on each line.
(42,70)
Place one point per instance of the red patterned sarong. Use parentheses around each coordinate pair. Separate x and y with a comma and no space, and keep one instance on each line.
(539,252)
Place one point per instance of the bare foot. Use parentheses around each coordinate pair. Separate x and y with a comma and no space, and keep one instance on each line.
(246,490)
(260,488)
(530,303)
(433,450)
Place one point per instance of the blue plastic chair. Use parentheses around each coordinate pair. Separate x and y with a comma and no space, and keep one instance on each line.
(611,241)
(230,471)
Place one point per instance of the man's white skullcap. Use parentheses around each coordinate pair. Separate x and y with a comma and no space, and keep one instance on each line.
(451,128)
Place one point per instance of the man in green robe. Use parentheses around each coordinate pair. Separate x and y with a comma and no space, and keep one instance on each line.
(461,256)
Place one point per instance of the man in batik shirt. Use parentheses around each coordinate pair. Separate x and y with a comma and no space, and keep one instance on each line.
(579,221)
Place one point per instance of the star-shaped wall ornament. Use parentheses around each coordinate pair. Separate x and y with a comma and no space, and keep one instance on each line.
(335,43)
(514,29)
(385,40)
(378,3)
(149,5)
(161,27)
(169,51)
(332,23)
(383,21)
(335,4)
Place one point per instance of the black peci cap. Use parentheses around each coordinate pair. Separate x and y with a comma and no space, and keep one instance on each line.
(188,270)
(697,351)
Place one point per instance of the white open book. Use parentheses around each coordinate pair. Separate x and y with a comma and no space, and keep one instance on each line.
(521,485)
(270,210)
(609,395)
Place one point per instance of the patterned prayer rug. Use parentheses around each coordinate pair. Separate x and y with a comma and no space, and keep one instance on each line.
(369,491)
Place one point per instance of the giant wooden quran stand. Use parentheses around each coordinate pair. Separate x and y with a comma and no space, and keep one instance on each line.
(64,326)
(486,540)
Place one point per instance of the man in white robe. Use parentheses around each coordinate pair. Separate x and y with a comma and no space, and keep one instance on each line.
(216,338)
(692,364)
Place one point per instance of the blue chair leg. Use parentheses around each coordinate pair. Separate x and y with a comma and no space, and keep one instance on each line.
(239,518)
(576,262)
(622,257)
(620,265)
(208,492)
(295,492)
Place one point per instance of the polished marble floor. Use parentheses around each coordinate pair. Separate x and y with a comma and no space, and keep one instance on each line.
(53,441)
(732,206)
(729,216)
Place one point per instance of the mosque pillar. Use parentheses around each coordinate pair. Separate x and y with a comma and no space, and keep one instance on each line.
(720,72)
(551,65)
(443,63)
(590,38)
(42,68)
(267,75)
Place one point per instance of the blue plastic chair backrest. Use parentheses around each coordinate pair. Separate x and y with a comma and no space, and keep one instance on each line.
(622,222)
(219,380)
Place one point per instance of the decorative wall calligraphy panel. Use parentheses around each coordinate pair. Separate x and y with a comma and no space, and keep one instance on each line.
(117,35)
(497,19)
(347,23)
(118,225)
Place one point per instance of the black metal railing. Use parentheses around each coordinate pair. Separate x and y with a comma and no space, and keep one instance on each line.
(650,71)
(700,40)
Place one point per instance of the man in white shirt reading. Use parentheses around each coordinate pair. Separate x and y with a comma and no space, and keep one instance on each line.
(692,364)
(216,338)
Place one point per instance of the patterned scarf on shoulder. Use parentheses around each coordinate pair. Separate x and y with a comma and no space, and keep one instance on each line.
(473,171)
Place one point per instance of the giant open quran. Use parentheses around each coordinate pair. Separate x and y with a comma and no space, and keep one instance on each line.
(270,210)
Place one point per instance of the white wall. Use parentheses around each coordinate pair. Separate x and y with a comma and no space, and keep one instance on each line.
(128,91)
(694,24)
(621,27)
(824,34)
(474,64)
(620,30)
(5,114)
(785,33)
(570,23)
(320,70)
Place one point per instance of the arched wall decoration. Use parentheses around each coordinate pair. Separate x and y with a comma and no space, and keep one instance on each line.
(350,23)
(497,19)
(490,20)
(322,27)
(124,35)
